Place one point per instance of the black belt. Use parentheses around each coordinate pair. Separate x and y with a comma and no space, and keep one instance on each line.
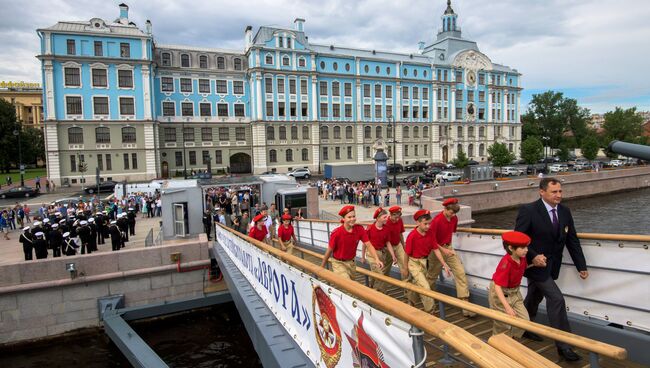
(419,257)
(343,260)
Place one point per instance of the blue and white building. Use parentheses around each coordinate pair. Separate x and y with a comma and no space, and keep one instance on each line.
(117,99)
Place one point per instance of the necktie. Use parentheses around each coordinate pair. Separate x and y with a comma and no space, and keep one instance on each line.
(556,223)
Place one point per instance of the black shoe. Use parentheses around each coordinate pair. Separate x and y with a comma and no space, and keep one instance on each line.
(568,354)
(532,336)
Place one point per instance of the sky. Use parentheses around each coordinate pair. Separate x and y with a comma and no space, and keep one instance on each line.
(594,51)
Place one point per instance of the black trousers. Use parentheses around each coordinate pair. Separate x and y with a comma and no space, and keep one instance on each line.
(555,305)
(29,254)
(132,228)
(56,251)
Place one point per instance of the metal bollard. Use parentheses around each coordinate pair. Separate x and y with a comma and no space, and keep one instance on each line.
(446,359)
(419,354)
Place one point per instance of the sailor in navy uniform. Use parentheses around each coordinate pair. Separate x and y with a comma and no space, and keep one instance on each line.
(55,240)
(69,245)
(28,243)
(40,245)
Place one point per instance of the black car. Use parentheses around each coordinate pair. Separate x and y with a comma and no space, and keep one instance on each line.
(415,166)
(432,172)
(412,179)
(472,163)
(18,192)
(397,168)
(105,186)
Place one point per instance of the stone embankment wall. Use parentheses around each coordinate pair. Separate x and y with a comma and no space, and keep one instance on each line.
(39,298)
(485,196)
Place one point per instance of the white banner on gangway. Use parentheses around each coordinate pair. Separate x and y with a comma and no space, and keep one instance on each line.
(330,327)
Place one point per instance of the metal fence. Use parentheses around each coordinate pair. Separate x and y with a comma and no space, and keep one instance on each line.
(148,240)
(324,215)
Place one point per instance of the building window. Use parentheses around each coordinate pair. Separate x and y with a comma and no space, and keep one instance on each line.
(349,152)
(221,62)
(283,133)
(389,91)
(125,78)
(192,157)
(305,132)
(323,88)
(186,85)
(134,161)
(203,62)
(268,84)
(337,153)
(337,132)
(188,134)
(348,110)
(73,105)
(72,77)
(377,111)
(206,134)
(425,93)
(366,111)
(292,86)
(280,82)
(238,87)
(336,110)
(322,65)
(268,59)
(237,64)
(406,150)
(167,84)
(378,132)
(323,110)
(389,111)
(239,110)
(127,106)
(336,90)
(205,157)
(389,131)
(240,133)
(224,134)
(289,155)
(481,96)
(187,108)
(100,162)
(416,93)
(405,132)
(170,134)
(425,112)
(459,95)
(292,109)
(269,108)
(128,135)
(125,50)
(335,66)
(304,109)
(348,132)
(73,163)
(405,93)
(166,59)
(99,78)
(325,153)
(270,133)
(205,108)
(100,105)
(425,132)
(281,111)
(305,154)
(416,112)
(367,151)
(377,90)
(416,132)
(71,47)
(222,87)
(75,135)
(179,158)
(273,156)
(367,132)
(169,108)
(185,60)
(294,132)
(324,132)
(218,157)
(366,90)
(301,62)
(204,86)
(348,89)
(405,112)
(285,61)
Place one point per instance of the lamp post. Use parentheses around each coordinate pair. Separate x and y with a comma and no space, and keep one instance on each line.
(20,155)
(545,138)
(391,119)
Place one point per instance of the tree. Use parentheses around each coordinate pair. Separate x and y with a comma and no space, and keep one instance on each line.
(590,148)
(461,161)
(623,125)
(532,150)
(33,145)
(563,152)
(551,115)
(499,155)
(8,144)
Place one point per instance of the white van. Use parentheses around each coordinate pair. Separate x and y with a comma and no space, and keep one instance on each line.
(132,188)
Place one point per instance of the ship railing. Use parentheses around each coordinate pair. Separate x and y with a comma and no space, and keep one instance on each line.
(594,347)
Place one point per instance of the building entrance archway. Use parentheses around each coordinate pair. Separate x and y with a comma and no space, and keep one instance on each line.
(240,163)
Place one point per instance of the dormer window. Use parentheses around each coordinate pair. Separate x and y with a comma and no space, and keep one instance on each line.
(221,62)
(203,62)
(237,63)
(166,59)
(185,61)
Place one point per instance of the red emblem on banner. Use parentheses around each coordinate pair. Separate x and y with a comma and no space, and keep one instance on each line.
(328,332)
(365,351)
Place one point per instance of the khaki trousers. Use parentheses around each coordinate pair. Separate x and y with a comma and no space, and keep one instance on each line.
(514,298)
(345,269)
(417,276)
(290,246)
(456,268)
(399,254)
(386,259)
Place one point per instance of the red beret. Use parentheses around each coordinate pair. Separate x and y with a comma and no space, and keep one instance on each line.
(449,201)
(345,210)
(377,212)
(395,209)
(286,216)
(515,239)
(258,218)
(420,213)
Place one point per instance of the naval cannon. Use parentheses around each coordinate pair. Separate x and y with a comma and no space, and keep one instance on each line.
(630,149)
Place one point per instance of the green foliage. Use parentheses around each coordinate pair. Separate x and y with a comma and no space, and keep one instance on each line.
(32,143)
(623,125)
(563,153)
(550,114)
(499,155)
(532,150)
(461,161)
(590,148)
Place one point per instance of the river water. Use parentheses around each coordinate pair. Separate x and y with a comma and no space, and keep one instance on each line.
(618,213)
(211,337)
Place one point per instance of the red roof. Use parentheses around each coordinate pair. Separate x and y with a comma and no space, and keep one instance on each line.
(646,129)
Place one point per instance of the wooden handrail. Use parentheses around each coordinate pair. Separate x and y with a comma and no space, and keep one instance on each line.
(519,352)
(585,343)
(467,344)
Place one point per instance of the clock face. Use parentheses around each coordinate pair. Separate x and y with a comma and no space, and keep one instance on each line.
(471,77)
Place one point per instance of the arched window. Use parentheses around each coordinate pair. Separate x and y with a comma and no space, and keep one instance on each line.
(405,132)
(285,61)
(367,132)
(283,133)
(185,60)
(166,59)
(470,150)
(221,62)
(305,132)
(294,132)
(460,131)
(128,135)
(389,132)
(481,149)
(459,148)
(481,133)
(203,62)
(102,135)
(268,59)
(337,132)
(511,147)
(305,154)
(289,155)
(324,132)
(470,132)
(378,132)
(348,132)
(237,64)
(416,132)
(425,132)
(75,135)
(270,133)
(273,156)
(301,62)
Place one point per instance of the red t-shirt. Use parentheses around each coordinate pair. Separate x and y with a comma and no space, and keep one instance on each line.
(443,228)
(258,234)
(377,237)
(418,245)
(285,233)
(344,244)
(395,229)
(509,273)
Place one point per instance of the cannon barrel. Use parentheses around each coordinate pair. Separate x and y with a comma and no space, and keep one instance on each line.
(630,149)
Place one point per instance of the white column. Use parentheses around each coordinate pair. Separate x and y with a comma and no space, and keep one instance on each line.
(517,116)
(398,102)
(434,92)
(259,97)
(452,105)
(504,108)
(146,92)
(489,106)
(150,152)
(49,91)
(359,101)
(315,152)
(315,107)
(53,158)
(361,151)
(399,151)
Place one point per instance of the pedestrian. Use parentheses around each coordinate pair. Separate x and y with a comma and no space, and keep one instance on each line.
(116,236)
(550,226)
(55,240)
(395,226)
(47,185)
(274,216)
(40,245)
(379,238)
(504,294)
(398,194)
(286,235)
(207,224)
(258,231)
(84,237)
(387,197)
(69,245)
(419,244)
(343,245)
(4,224)
(27,240)
(130,216)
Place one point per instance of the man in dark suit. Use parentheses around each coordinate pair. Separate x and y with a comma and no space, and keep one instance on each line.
(550,226)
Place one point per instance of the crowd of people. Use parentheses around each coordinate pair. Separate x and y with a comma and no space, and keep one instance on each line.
(370,193)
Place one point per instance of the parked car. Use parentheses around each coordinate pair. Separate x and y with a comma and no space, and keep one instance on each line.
(439,165)
(581,165)
(412,179)
(303,173)
(18,192)
(432,172)
(448,176)
(630,161)
(396,168)
(105,186)
(65,201)
(473,163)
(510,171)
(549,160)
(556,168)
(615,163)
(415,166)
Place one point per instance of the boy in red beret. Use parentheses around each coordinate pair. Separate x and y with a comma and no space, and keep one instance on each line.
(504,293)
(379,235)
(443,227)
(258,230)
(419,244)
(343,244)
(286,236)
(395,227)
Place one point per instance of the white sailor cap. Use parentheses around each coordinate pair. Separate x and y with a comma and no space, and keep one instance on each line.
(26,228)
(62,221)
(92,219)
(40,233)
(83,222)
(58,214)
(66,234)
(37,223)
(131,209)
(46,220)
(80,211)
(55,226)
(113,222)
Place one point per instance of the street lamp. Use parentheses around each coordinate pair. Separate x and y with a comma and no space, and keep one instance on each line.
(391,119)
(545,139)
(20,155)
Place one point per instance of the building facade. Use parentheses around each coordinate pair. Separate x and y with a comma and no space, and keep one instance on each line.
(27,99)
(138,109)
